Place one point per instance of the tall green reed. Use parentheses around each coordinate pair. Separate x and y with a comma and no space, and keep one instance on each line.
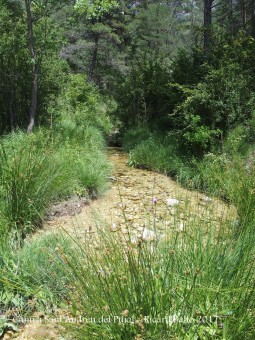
(198,283)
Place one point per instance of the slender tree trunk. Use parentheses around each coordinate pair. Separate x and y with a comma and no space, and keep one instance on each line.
(244,13)
(207,23)
(252,13)
(11,111)
(33,104)
(94,57)
(145,4)
(35,68)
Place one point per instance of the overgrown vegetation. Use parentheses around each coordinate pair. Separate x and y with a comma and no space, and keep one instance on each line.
(163,288)
(182,106)
(39,168)
(158,288)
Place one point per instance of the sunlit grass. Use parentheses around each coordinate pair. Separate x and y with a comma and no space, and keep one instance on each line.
(193,283)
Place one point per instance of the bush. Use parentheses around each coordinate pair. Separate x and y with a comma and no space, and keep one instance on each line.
(133,137)
(210,111)
(78,107)
(143,96)
(154,150)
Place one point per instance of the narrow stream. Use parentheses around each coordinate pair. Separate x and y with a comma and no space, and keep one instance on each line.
(143,196)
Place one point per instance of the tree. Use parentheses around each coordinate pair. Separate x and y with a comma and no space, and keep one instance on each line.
(96,39)
(30,68)
(207,23)
(35,67)
(37,11)
(14,66)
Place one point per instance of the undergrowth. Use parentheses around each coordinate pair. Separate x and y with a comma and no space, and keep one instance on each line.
(39,169)
(193,284)
(227,173)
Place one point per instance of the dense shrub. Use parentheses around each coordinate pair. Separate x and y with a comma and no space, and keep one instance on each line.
(143,96)
(80,105)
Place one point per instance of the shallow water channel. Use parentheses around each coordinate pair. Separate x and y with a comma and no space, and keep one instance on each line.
(142,199)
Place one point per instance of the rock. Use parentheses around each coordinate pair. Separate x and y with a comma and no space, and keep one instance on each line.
(206,199)
(181,227)
(172,202)
(114,227)
(112,178)
(134,239)
(148,235)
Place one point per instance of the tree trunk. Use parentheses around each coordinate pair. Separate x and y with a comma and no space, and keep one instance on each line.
(252,13)
(34,85)
(33,104)
(11,111)
(244,13)
(207,23)
(94,57)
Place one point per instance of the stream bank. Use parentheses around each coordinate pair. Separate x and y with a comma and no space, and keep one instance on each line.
(132,196)
(136,198)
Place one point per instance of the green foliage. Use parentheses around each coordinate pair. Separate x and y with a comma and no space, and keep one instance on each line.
(95,9)
(135,136)
(156,28)
(85,165)
(231,173)
(156,155)
(153,150)
(80,106)
(143,96)
(37,170)
(187,66)
(29,180)
(15,67)
(213,107)
(197,97)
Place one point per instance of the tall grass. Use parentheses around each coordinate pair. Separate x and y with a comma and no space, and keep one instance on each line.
(189,285)
(228,174)
(32,277)
(153,151)
(198,283)
(37,169)
(29,181)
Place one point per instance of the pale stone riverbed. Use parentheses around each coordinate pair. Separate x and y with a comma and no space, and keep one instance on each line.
(142,198)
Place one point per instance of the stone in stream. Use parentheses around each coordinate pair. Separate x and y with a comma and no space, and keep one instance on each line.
(172,202)
(114,227)
(206,199)
(148,235)
(134,239)
(181,227)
